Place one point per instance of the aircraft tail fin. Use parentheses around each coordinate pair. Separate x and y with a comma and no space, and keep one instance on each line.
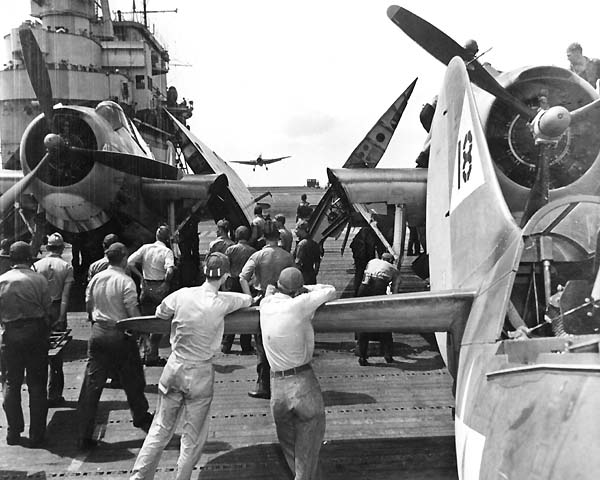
(466,211)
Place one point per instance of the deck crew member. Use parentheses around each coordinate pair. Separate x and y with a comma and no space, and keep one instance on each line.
(238,255)
(222,242)
(265,265)
(304,210)
(185,387)
(286,239)
(24,309)
(286,315)
(158,264)
(307,254)
(257,239)
(102,264)
(378,275)
(111,296)
(59,274)
(586,68)
(365,246)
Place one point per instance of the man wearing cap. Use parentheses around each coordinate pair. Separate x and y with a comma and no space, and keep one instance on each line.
(222,242)
(102,264)
(265,266)
(111,296)
(24,309)
(59,274)
(307,254)
(285,236)
(185,387)
(158,265)
(238,255)
(378,275)
(286,315)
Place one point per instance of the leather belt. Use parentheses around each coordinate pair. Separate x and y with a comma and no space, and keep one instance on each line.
(291,371)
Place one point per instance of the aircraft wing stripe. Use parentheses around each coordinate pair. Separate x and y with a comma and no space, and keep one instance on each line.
(417,312)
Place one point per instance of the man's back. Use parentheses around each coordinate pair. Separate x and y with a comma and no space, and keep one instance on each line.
(57,271)
(238,255)
(267,264)
(197,320)
(112,294)
(23,294)
(155,258)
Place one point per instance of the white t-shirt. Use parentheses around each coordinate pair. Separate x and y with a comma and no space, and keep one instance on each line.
(285,322)
(197,315)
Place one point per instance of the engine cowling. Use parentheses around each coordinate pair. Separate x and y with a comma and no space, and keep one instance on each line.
(574,161)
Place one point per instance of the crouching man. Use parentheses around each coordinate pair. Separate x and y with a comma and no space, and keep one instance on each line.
(186,384)
(286,315)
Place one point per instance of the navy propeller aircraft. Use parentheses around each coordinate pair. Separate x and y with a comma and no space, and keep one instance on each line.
(260,162)
(512,202)
(90,172)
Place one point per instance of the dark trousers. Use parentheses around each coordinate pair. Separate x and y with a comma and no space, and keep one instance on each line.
(110,351)
(24,348)
(263,369)
(245,338)
(153,292)
(56,376)
(374,287)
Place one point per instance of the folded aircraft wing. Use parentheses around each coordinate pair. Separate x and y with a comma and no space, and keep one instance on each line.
(203,160)
(417,312)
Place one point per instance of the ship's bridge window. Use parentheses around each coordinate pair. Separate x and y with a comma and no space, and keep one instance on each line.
(113,114)
(140,82)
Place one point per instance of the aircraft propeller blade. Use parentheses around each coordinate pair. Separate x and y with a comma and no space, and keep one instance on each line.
(13,193)
(539,193)
(590,108)
(444,48)
(38,73)
(130,164)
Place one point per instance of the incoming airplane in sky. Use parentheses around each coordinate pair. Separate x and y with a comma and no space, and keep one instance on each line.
(260,162)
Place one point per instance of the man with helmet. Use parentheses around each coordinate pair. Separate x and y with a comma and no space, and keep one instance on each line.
(158,265)
(265,266)
(24,309)
(286,315)
(59,274)
(186,385)
(111,296)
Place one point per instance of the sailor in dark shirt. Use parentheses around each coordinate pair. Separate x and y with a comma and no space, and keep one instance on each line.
(307,255)
(24,312)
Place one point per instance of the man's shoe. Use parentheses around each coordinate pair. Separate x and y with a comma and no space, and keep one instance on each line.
(260,394)
(389,359)
(145,423)
(226,349)
(156,362)
(56,402)
(14,439)
(36,442)
(86,443)
(363,362)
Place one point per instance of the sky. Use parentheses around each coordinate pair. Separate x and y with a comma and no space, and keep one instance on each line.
(310,78)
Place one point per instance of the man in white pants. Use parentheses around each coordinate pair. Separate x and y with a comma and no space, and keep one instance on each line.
(186,384)
(286,315)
